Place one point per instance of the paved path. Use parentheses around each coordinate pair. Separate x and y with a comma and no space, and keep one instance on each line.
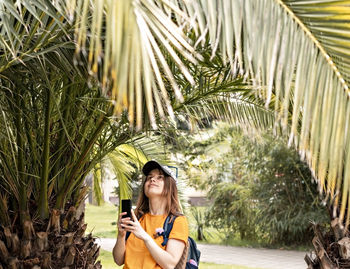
(262,258)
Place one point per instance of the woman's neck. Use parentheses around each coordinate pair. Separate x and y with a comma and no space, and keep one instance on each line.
(157,206)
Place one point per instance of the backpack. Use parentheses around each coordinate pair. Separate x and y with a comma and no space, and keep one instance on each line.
(191,252)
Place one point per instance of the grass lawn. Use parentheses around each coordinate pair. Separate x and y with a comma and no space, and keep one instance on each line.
(108,263)
(101,220)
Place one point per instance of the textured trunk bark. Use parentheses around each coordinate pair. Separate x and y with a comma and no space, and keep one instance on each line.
(332,249)
(60,243)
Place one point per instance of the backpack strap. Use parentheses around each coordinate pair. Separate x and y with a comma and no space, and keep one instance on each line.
(167,227)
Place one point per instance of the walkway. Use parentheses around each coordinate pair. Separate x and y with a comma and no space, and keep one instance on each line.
(261,258)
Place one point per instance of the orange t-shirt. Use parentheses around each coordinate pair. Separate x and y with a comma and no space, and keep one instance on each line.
(137,255)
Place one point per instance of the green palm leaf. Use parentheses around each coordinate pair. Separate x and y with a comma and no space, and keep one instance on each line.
(134,64)
(300,50)
(28,29)
(124,161)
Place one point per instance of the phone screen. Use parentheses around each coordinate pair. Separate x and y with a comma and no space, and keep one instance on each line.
(126,207)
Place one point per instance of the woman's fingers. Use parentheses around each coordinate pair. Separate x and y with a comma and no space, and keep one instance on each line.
(128,228)
(122,214)
(133,215)
(122,220)
(125,219)
(128,222)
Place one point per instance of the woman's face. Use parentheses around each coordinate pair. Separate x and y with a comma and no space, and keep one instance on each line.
(154,184)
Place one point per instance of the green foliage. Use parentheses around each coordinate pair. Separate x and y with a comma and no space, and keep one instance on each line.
(68,136)
(258,187)
(232,209)
(286,195)
(135,183)
(199,218)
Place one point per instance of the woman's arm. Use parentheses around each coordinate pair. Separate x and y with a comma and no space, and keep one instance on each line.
(165,258)
(168,258)
(119,248)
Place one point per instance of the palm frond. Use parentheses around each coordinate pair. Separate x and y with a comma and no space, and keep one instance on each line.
(28,29)
(131,56)
(327,22)
(301,51)
(222,95)
(97,183)
(125,160)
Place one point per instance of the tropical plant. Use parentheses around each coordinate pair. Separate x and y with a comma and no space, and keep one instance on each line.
(200,222)
(300,58)
(57,126)
(299,49)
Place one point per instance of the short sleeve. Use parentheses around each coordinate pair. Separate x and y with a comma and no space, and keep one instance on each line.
(180,229)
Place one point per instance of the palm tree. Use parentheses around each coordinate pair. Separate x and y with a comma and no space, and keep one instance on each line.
(139,52)
(58,125)
(296,52)
(55,128)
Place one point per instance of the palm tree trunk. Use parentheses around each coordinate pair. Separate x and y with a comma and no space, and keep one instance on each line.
(58,245)
(332,249)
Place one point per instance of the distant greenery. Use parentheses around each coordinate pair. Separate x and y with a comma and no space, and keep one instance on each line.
(258,187)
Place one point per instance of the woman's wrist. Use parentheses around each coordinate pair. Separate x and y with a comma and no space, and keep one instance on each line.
(121,235)
(146,238)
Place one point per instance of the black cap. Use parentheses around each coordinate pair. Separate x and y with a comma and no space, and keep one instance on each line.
(150,165)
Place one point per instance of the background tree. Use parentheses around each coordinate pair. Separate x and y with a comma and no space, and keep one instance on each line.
(258,187)
(286,195)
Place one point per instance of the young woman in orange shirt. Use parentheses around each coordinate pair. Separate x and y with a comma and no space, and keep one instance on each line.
(158,199)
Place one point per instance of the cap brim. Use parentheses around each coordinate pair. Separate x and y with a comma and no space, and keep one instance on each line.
(150,165)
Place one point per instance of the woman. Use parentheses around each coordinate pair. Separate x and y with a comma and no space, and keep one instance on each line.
(157,200)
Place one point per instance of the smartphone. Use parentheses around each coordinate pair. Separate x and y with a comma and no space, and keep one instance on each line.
(126,207)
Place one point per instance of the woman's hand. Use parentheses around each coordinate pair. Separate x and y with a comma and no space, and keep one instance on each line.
(121,220)
(135,227)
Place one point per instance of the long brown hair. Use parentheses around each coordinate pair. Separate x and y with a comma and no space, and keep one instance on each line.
(172,207)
